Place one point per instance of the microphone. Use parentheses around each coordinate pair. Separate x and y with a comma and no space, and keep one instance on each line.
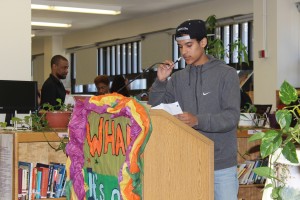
(152,66)
(145,71)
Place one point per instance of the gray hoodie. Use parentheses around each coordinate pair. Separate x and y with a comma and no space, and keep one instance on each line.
(211,92)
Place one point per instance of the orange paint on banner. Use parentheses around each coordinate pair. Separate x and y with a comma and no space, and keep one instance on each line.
(119,141)
(115,139)
(95,143)
(109,139)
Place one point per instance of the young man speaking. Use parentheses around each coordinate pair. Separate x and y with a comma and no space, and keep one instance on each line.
(209,95)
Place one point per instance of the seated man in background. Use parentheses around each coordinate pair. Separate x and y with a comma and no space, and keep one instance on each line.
(120,85)
(102,84)
(53,88)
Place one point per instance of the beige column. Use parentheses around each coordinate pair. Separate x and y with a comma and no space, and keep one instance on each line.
(15,40)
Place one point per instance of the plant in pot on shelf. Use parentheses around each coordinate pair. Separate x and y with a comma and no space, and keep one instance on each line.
(57,116)
(247,116)
(251,117)
(282,147)
(53,118)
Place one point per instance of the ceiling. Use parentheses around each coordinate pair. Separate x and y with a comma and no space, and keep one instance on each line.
(129,9)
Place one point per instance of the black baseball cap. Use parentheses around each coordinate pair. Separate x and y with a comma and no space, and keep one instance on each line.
(191,29)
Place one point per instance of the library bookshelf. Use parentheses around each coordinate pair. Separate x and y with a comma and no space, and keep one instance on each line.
(33,147)
(249,151)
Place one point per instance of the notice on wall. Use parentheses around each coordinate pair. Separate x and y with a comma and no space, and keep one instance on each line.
(6,166)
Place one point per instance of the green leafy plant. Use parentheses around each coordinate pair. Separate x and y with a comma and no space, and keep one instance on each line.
(216,48)
(286,139)
(62,144)
(249,108)
(37,122)
(3,124)
(242,52)
(58,107)
(248,113)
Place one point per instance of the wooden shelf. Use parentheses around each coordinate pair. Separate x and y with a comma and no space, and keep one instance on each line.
(28,137)
(247,132)
(27,141)
(251,152)
(32,147)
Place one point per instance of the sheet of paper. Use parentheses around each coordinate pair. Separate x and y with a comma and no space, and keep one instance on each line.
(172,108)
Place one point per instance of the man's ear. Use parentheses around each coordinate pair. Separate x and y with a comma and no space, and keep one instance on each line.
(203,42)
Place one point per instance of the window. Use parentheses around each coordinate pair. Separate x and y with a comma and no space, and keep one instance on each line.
(111,60)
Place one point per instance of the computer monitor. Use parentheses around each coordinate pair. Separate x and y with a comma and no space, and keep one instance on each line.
(18,96)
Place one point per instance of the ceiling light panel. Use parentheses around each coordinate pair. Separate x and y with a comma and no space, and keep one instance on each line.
(75,7)
(50,24)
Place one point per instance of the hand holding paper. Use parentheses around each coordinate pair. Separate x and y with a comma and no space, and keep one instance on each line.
(172,108)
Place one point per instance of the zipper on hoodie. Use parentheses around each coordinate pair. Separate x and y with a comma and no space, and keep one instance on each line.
(196,86)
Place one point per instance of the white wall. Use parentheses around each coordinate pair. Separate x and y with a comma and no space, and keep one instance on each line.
(288,39)
(15,40)
(281,42)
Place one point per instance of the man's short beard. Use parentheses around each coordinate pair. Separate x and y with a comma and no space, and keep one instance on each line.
(61,76)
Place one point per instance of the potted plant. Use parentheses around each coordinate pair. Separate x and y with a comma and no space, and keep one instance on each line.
(281,145)
(247,116)
(57,116)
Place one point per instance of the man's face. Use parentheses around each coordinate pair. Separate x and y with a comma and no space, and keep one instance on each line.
(61,69)
(102,88)
(192,50)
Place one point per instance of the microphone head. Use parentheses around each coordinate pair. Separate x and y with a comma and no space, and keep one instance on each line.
(178,59)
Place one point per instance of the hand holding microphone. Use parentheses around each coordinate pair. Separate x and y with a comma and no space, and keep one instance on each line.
(165,69)
(167,64)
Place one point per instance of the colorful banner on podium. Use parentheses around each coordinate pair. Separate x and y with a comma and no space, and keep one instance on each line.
(108,134)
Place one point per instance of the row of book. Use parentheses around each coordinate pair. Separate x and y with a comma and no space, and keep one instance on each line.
(41,181)
(246,175)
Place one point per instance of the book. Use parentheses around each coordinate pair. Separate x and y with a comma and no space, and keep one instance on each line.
(244,177)
(38,185)
(49,180)
(25,185)
(33,184)
(260,179)
(241,169)
(44,181)
(28,167)
(53,182)
(61,170)
(63,191)
(20,177)
(252,176)
(257,164)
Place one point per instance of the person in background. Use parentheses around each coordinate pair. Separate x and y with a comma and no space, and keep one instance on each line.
(120,86)
(102,84)
(208,92)
(53,88)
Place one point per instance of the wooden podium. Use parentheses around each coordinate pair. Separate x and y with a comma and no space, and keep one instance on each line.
(178,161)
